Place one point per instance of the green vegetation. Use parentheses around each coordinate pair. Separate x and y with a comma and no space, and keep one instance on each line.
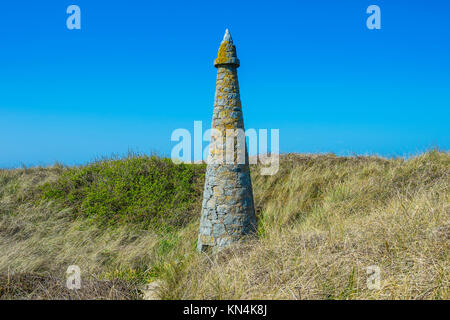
(322,220)
(150,191)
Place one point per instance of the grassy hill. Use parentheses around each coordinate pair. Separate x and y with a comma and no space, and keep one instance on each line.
(322,220)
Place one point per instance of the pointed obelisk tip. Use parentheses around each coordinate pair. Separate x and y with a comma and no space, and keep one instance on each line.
(227,36)
(227,52)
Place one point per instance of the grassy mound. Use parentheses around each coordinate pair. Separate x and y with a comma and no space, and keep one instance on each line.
(116,219)
(149,191)
(322,220)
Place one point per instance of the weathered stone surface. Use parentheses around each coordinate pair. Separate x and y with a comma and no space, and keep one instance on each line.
(228,210)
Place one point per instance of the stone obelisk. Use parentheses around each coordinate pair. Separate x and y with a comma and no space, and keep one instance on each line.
(228,211)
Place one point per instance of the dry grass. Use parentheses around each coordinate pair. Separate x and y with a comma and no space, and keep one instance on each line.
(46,287)
(322,221)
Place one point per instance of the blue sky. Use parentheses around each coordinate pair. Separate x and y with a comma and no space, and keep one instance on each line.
(137,70)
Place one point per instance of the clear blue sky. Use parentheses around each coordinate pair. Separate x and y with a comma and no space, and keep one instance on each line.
(137,70)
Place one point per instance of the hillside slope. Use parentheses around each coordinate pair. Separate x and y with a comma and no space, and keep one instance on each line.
(322,220)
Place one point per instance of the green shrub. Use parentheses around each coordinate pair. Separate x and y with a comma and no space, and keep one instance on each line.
(146,190)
